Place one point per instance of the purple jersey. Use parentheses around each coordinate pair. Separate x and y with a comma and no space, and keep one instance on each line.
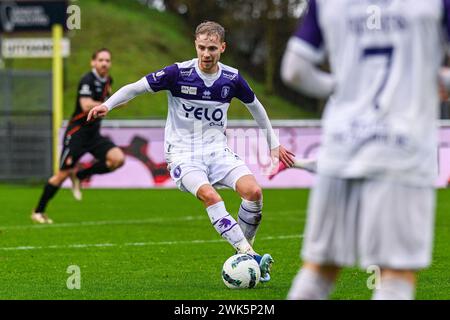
(198,104)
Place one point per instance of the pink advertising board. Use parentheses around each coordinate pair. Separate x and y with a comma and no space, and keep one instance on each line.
(145,165)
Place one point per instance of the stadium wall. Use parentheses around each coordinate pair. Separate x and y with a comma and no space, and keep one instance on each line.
(145,166)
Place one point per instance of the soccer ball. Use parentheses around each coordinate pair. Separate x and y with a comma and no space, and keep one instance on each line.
(241,271)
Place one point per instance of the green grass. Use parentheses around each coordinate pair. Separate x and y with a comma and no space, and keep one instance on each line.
(142,41)
(168,264)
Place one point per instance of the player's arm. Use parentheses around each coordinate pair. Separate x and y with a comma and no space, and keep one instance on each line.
(305,77)
(87,103)
(444,83)
(277,151)
(153,82)
(122,96)
(257,110)
(304,51)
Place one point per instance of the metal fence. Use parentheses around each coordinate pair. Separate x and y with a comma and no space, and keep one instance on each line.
(25,125)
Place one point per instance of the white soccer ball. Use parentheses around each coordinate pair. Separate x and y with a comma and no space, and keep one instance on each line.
(241,271)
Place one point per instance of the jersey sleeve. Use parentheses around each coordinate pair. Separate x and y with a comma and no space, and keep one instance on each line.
(86,88)
(243,91)
(307,40)
(164,79)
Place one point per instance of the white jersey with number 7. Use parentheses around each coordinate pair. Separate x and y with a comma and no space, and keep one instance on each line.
(385,56)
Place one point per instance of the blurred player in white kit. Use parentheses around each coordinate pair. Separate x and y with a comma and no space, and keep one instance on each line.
(373,203)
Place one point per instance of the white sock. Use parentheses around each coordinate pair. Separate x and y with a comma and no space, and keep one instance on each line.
(228,228)
(309,285)
(394,289)
(249,218)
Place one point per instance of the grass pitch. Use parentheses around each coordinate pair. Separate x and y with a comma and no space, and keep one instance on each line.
(159,244)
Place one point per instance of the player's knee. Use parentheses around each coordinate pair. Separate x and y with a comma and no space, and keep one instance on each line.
(59,177)
(209,196)
(253,193)
(119,161)
(115,161)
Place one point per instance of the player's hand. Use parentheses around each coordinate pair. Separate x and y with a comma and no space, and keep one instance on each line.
(283,155)
(97,112)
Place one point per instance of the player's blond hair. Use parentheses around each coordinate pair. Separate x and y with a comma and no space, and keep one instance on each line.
(210,28)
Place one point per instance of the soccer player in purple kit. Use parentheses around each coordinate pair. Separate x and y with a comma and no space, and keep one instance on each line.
(199,159)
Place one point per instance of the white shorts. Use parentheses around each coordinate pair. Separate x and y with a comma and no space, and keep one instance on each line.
(221,168)
(369,222)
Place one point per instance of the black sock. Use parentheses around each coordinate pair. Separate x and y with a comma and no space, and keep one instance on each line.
(49,191)
(98,168)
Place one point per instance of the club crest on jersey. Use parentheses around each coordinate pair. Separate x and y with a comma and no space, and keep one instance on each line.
(225,91)
(177,172)
(189,90)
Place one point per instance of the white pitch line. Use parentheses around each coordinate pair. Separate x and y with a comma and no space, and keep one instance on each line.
(268,216)
(101,223)
(137,244)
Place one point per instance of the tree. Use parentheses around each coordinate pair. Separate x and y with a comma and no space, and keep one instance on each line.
(257,32)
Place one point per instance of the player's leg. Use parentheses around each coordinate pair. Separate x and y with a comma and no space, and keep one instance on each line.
(50,189)
(231,172)
(115,158)
(396,235)
(396,285)
(70,154)
(112,160)
(227,226)
(313,282)
(197,183)
(250,210)
(241,179)
(330,237)
(109,158)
